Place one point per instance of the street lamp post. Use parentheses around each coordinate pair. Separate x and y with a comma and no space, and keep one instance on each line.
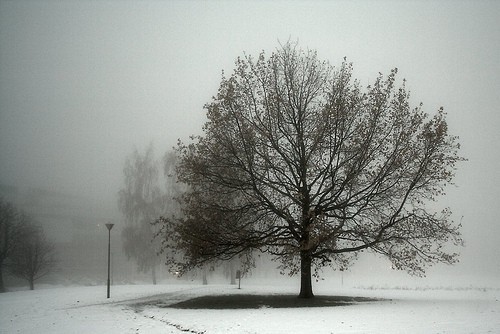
(109,226)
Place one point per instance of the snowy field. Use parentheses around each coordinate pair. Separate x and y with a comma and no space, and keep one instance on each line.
(134,309)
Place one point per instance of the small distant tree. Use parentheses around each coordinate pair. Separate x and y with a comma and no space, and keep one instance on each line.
(11,223)
(142,201)
(33,255)
(298,161)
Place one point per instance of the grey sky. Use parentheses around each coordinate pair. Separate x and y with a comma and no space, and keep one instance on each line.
(82,83)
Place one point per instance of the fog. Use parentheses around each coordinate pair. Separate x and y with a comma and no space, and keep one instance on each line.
(84,83)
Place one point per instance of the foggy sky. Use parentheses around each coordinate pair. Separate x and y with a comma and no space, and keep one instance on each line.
(83,83)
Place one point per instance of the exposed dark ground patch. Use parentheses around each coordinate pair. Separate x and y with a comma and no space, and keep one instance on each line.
(271,301)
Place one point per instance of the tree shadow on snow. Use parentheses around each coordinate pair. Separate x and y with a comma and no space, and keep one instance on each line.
(270,301)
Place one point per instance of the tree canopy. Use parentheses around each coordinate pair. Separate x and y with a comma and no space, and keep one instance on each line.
(297,160)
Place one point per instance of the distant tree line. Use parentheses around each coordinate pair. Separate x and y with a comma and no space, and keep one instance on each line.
(25,251)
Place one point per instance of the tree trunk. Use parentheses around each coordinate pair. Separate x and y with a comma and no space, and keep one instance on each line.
(153,273)
(2,286)
(205,281)
(233,278)
(232,273)
(32,283)
(305,275)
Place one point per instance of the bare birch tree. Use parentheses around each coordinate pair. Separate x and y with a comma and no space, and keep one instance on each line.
(142,201)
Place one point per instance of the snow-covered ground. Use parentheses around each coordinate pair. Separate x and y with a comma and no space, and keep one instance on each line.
(86,310)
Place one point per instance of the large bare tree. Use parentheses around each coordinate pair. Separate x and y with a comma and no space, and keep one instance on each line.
(298,161)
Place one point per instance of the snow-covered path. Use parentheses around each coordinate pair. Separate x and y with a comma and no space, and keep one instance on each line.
(130,310)
(83,309)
